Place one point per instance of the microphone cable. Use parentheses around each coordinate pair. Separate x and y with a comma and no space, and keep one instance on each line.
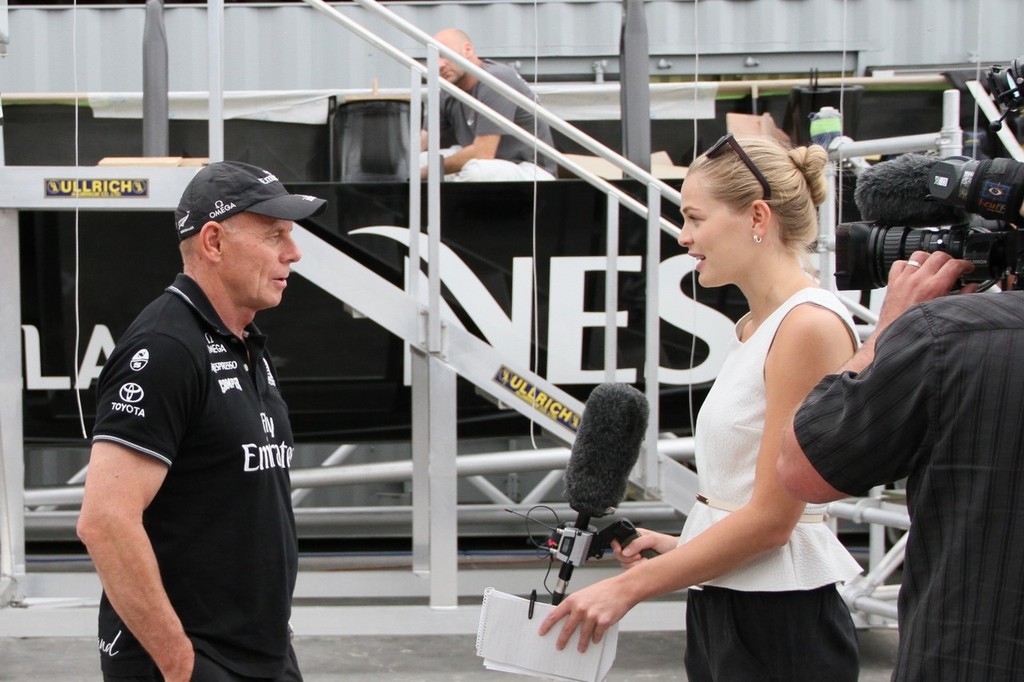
(543,548)
(535,350)
(696,78)
(691,411)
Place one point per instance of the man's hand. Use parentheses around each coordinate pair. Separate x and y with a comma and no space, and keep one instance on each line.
(179,669)
(922,277)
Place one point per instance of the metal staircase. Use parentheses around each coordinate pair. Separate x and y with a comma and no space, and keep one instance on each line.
(441,350)
(436,595)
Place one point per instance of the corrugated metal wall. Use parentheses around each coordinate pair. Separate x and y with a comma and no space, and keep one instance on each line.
(292,46)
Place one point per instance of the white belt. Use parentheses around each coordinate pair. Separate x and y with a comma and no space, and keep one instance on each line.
(722,505)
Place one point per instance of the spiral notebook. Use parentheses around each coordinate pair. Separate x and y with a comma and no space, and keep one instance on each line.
(507,640)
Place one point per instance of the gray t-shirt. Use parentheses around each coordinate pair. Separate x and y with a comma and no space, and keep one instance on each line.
(461,122)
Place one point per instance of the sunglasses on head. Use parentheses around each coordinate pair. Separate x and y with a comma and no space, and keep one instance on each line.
(727,141)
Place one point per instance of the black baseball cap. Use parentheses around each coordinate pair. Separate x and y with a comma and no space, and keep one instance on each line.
(222,189)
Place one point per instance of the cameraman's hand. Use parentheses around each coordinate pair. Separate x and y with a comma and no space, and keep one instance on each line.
(921,278)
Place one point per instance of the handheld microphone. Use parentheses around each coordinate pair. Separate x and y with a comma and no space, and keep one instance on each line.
(897,193)
(606,449)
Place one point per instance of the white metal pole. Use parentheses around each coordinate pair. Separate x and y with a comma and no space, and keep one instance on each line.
(415,185)
(215,52)
(434,173)
(611,289)
(951,139)
(648,474)
(12,455)
(826,227)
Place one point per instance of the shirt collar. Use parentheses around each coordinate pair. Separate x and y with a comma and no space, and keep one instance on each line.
(186,288)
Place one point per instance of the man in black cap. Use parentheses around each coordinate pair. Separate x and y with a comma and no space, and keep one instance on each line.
(187,510)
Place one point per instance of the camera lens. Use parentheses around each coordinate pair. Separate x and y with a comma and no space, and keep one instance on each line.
(865,252)
(899,243)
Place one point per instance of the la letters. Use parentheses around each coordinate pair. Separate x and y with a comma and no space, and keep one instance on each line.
(509,334)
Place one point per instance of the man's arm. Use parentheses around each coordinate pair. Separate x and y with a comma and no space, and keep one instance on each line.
(120,485)
(483,147)
(907,285)
(798,476)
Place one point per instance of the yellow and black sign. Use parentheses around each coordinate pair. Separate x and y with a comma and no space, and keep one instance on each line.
(97,188)
(521,388)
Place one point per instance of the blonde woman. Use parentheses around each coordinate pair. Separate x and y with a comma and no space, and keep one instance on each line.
(761,566)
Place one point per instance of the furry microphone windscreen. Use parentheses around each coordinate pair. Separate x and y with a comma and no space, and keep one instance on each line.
(606,448)
(895,193)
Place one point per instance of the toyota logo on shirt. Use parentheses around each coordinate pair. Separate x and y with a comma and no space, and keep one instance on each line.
(131,393)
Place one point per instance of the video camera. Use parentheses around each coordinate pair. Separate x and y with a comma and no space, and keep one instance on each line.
(975,205)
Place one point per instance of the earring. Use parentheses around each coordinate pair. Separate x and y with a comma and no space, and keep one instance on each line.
(757,238)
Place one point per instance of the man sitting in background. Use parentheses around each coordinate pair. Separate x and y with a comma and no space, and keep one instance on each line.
(484,151)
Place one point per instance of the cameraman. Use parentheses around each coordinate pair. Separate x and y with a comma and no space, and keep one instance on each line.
(934,396)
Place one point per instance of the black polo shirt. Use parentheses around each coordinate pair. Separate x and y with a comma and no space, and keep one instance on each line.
(180,388)
(941,405)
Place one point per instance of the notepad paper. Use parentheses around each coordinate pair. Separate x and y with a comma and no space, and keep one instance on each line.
(507,640)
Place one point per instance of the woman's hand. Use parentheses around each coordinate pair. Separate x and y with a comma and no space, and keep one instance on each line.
(592,611)
(630,556)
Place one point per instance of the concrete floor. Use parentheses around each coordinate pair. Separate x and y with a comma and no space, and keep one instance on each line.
(452,658)
(51,645)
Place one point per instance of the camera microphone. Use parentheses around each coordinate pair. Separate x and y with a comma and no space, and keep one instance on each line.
(898,192)
(968,208)
(605,450)
(1004,84)
(991,188)
(997,125)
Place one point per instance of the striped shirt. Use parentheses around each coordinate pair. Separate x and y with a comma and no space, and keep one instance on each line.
(941,406)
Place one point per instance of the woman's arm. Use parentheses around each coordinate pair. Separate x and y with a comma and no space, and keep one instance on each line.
(810,342)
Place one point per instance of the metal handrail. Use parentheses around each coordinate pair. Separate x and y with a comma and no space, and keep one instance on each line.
(628,167)
(548,117)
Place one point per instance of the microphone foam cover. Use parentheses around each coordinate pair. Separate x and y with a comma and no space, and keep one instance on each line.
(895,193)
(606,448)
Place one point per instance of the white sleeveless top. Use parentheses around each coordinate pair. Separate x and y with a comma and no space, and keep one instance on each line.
(727,439)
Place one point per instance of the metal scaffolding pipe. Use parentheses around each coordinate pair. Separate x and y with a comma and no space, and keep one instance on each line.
(380,472)
(875,607)
(861,513)
(326,521)
(845,148)
(155,108)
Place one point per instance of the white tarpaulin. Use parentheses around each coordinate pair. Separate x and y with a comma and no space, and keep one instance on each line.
(600,101)
(570,101)
(289,106)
